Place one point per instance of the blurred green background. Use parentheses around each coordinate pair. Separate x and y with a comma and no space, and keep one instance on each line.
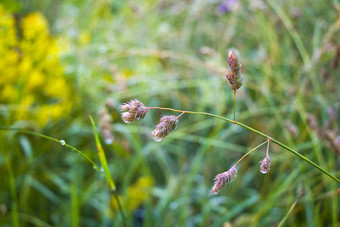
(61,61)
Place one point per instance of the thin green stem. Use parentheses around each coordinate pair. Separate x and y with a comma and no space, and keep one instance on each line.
(108,176)
(120,207)
(259,133)
(102,158)
(191,112)
(234,105)
(61,142)
(251,151)
(11,181)
(283,221)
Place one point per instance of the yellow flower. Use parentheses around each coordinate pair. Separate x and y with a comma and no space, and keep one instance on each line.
(9,92)
(36,79)
(33,76)
(27,100)
(44,115)
(138,193)
(84,38)
(34,25)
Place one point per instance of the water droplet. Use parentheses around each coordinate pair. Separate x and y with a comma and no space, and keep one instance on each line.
(157,139)
(101,169)
(62,142)
(264,171)
(108,141)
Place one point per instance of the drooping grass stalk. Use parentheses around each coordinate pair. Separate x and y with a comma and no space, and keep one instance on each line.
(108,177)
(61,142)
(267,151)
(180,115)
(234,105)
(101,155)
(259,133)
(250,152)
(191,112)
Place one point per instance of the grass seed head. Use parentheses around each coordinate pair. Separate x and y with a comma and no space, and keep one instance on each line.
(165,126)
(223,179)
(135,111)
(234,77)
(233,61)
(265,165)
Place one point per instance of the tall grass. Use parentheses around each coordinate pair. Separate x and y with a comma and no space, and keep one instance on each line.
(120,50)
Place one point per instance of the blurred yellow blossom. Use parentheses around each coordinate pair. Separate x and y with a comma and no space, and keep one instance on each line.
(34,26)
(136,195)
(84,38)
(31,73)
(9,92)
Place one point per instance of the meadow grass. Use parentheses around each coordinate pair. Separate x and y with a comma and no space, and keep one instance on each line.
(152,51)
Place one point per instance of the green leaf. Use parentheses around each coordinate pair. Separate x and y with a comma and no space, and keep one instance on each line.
(102,158)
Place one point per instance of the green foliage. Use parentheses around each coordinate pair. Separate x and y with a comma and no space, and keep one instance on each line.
(169,54)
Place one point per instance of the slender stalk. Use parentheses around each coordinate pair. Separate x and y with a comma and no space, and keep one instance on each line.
(234,104)
(112,186)
(198,113)
(102,158)
(11,181)
(55,140)
(191,112)
(282,222)
(267,141)
(259,133)
(180,115)
(120,207)
(74,204)
(109,179)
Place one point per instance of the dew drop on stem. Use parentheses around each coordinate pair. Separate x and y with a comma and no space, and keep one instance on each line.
(62,142)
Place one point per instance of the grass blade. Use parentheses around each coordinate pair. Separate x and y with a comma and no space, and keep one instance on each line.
(284,219)
(109,179)
(74,204)
(102,158)
(15,217)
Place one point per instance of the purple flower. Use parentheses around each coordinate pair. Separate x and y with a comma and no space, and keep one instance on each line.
(227,6)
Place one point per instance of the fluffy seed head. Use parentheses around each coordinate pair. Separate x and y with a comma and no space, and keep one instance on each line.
(165,126)
(135,111)
(234,77)
(223,179)
(233,61)
(265,165)
(235,80)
